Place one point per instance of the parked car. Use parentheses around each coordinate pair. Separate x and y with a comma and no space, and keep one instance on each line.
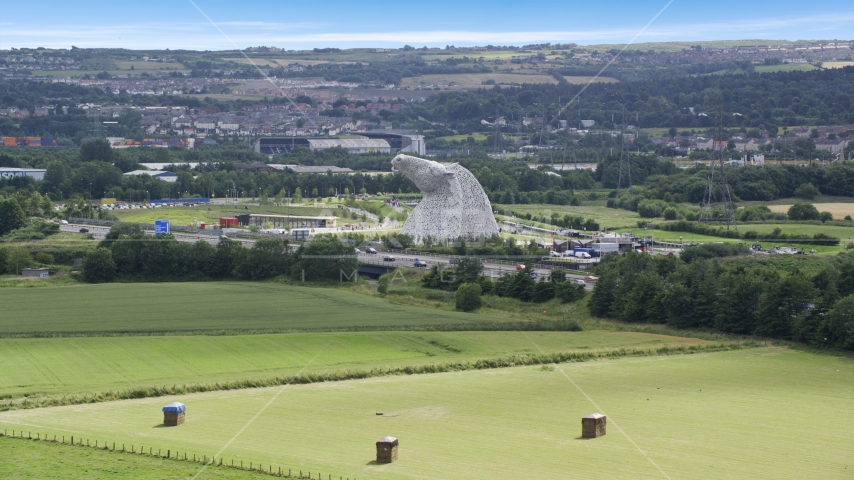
(357,251)
(554,254)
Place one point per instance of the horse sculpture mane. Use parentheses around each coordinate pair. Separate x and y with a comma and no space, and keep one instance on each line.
(454,204)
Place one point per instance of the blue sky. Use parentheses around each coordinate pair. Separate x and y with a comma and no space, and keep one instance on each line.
(306,24)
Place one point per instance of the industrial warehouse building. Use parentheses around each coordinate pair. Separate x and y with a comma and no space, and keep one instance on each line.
(162,176)
(34,173)
(382,141)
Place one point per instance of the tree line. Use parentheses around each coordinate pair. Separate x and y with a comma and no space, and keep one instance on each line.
(715,287)
(129,254)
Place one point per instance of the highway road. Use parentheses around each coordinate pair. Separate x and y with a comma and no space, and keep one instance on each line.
(491,269)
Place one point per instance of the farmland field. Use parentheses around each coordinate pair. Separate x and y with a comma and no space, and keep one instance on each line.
(52,366)
(213,306)
(473,80)
(786,67)
(839,210)
(837,64)
(752,413)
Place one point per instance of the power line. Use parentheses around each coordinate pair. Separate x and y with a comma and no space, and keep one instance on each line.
(625,158)
(718,186)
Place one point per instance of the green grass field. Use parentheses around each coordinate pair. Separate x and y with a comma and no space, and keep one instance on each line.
(59,366)
(606,217)
(39,459)
(181,307)
(753,413)
(189,215)
(845,234)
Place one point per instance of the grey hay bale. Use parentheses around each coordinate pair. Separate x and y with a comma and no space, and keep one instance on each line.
(593,426)
(387,449)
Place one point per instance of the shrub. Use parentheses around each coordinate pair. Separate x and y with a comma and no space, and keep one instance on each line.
(467,297)
(826,217)
(670,213)
(806,191)
(567,292)
(98,266)
(382,288)
(45,258)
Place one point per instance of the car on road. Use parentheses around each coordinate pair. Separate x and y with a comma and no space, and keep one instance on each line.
(389,259)
(419,263)
(454,261)
(520,267)
(579,281)
(357,251)
(591,279)
(371,251)
(84,230)
(554,254)
(63,222)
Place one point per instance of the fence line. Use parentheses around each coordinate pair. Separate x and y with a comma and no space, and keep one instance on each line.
(159,453)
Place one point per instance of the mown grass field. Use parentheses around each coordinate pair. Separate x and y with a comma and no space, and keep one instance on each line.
(60,366)
(39,459)
(212,213)
(606,217)
(206,306)
(752,413)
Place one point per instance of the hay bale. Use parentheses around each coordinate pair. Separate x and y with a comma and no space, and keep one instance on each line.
(387,449)
(593,426)
(173,414)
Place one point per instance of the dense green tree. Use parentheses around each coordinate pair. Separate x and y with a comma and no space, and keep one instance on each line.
(98,266)
(12,216)
(543,292)
(326,258)
(803,211)
(225,258)
(98,150)
(267,258)
(467,298)
(467,271)
(840,324)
